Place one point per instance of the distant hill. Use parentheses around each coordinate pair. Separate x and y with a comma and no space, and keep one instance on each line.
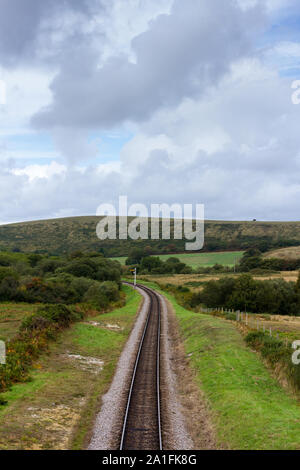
(59,236)
(289,253)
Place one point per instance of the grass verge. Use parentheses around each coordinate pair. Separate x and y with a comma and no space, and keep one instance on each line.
(55,410)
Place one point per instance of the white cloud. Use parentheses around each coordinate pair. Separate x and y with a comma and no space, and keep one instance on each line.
(40,171)
(27,90)
(214,121)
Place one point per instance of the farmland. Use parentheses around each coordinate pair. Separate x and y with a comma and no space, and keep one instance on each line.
(196,281)
(195,260)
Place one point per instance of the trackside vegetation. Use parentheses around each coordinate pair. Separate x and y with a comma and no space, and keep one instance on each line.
(56,408)
(63,291)
(277,353)
(244,293)
(249,409)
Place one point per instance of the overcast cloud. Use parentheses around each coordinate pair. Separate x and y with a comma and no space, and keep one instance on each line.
(163,101)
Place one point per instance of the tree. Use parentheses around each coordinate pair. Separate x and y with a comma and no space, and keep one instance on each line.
(151,263)
(135,256)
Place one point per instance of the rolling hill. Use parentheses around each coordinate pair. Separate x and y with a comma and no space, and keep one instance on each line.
(289,253)
(59,236)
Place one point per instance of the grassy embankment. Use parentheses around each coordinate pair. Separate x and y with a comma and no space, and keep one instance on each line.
(55,410)
(204,260)
(250,410)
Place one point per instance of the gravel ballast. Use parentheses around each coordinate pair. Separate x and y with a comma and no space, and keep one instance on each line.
(108,425)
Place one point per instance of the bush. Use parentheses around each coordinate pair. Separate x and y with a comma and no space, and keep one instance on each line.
(6,272)
(110,290)
(81,285)
(56,313)
(255,338)
(35,322)
(9,288)
(47,315)
(272,296)
(96,297)
(5,260)
(100,295)
(46,291)
(49,265)
(80,268)
(230,316)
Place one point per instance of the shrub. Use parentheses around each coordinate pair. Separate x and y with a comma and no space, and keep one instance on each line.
(35,322)
(56,313)
(8,288)
(81,285)
(96,297)
(7,272)
(5,260)
(100,295)
(272,296)
(80,268)
(230,316)
(45,291)
(255,338)
(111,290)
(49,265)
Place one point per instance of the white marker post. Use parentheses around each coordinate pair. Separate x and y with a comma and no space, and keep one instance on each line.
(2,353)
(134,272)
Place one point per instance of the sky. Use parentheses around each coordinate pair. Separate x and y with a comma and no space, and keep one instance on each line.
(164,101)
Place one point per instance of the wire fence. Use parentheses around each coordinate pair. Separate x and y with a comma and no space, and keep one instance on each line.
(246,319)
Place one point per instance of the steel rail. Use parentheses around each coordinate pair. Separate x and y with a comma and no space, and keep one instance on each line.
(151,295)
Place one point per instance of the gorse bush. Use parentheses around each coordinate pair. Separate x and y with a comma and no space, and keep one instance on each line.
(59,314)
(33,337)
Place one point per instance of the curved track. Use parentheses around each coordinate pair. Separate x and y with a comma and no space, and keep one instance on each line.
(142,421)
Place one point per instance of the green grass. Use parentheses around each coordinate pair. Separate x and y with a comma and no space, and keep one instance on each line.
(250,409)
(57,381)
(204,260)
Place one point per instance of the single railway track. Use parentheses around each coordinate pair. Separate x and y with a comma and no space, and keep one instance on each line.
(142,421)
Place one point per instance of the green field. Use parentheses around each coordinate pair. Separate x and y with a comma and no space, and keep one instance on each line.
(226,258)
